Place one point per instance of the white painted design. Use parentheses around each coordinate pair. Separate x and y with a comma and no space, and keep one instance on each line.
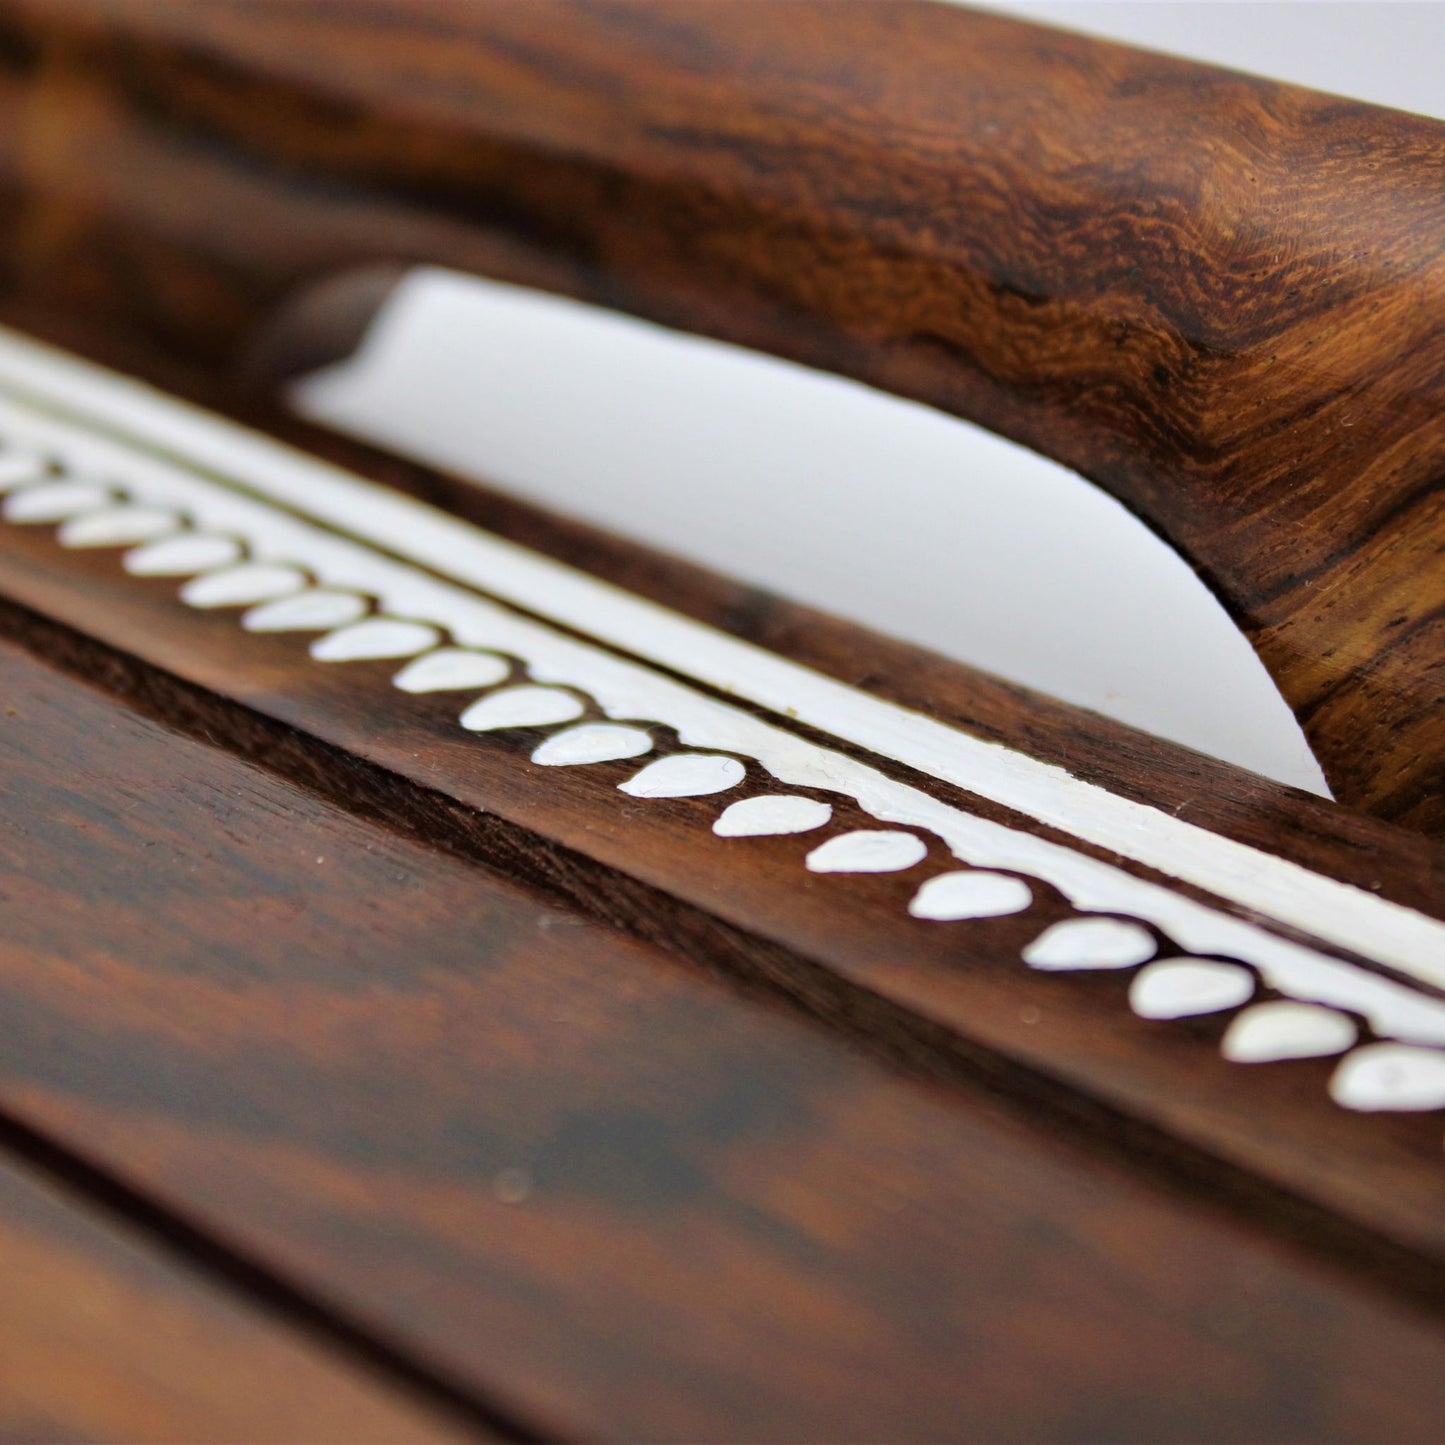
(1270,1032)
(220,477)
(52,502)
(771,815)
(521,707)
(317,610)
(375,637)
(1390,1076)
(243,585)
(685,775)
(452,669)
(868,851)
(183,556)
(118,527)
(1082,943)
(592,743)
(19,469)
(972,894)
(1181,988)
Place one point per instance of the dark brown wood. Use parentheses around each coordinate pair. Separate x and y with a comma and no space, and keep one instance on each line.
(583,1177)
(103,1338)
(1216,296)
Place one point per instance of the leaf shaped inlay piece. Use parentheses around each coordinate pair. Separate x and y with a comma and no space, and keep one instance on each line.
(772,815)
(375,637)
(1081,943)
(521,707)
(452,669)
(592,743)
(1398,1077)
(1181,988)
(19,469)
(183,556)
(317,610)
(243,585)
(685,775)
(868,851)
(970,894)
(54,502)
(118,527)
(1270,1032)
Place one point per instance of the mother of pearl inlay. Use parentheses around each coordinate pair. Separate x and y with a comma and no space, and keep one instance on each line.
(1390,1076)
(592,743)
(375,637)
(183,555)
(1270,1032)
(971,894)
(1090,943)
(522,707)
(772,815)
(118,527)
(1181,988)
(54,501)
(868,851)
(243,585)
(685,775)
(452,669)
(317,610)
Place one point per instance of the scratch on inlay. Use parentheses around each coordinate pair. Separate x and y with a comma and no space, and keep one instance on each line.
(229,549)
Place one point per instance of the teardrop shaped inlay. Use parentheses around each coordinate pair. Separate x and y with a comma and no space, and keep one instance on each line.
(183,556)
(1080,943)
(452,669)
(772,815)
(55,502)
(1271,1032)
(243,585)
(1181,988)
(1402,1078)
(375,637)
(970,894)
(118,527)
(317,610)
(521,707)
(685,775)
(19,469)
(592,743)
(868,851)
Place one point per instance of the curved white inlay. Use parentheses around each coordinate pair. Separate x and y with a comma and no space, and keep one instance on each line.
(1269,1032)
(592,743)
(52,502)
(243,585)
(375,637)
(118,527)
(971,894)
(868,851)
(1390,1076)
(1090,943)
(685,775)
(521,707)
(452,669)
(317,610)
(182,556)
(1181,988)
(19,469)
(771,815)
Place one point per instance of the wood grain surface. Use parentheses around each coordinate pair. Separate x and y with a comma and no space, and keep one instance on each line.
(104,1338)
(572,1170)
(1216,296)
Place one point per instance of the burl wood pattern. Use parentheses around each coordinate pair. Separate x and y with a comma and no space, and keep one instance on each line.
(581,1179)
(1218,297)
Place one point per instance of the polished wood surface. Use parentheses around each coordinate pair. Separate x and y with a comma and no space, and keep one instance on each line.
(1216,296)
(584,1178)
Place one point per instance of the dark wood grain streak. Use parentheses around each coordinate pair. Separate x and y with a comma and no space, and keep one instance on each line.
(102,1338)
(1218,297)
(722,1225)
